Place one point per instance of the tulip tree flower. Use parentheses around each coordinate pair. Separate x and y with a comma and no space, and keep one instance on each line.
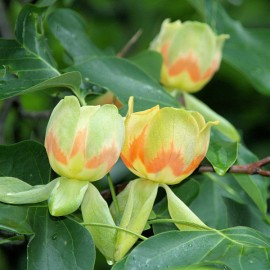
(191,54)
(82,143)
(165,145)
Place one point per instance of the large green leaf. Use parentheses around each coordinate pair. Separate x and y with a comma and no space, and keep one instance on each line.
(237,248)
(69,29)
(255,186)
(124,79)
(222,203)
(222,152)
(27,161)
(246,50)
(59,244)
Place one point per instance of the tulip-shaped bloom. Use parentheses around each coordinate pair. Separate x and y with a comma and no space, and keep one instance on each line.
(83,143)
(165,145)
(191,54)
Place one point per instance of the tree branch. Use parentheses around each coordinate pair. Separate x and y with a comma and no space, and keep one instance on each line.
(130,43)
(251,168)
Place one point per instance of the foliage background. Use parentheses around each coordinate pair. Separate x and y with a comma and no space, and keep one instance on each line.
(111,24)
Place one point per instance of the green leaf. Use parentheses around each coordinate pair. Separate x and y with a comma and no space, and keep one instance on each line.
(255,186)
(26,63)
(69,29)
(15,218)
(29,33)
(125,79)
(150,62)
(247,50)
(222,152)
(27,161)
(246,215)
(209,205)
(222,203)
(58,244)
(237,248)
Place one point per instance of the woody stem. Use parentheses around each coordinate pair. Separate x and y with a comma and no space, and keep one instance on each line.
(251,168)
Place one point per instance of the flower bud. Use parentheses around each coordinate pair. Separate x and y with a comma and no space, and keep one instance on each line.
(83,143)
(191,54)
(165,145)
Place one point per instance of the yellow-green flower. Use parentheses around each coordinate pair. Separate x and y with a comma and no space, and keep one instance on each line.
(83,143)
(165,145)
(191,54)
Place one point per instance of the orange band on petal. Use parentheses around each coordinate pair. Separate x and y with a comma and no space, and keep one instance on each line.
(53,147)
(126,161)
(194,164)
(107,155)
(164,52)
(167,158)
(79,143)
(136,149)
(187,64)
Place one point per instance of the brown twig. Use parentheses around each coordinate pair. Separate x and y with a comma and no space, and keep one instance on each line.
(129,44)
(251,168)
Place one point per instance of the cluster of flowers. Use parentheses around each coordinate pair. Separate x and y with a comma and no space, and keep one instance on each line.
(163,146)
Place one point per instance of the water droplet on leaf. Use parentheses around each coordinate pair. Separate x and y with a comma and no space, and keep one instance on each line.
(109,262)
(54,236)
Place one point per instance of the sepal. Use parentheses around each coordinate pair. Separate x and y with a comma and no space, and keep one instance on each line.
(95,210)
(67,196)
(179,211)
(135,203)
(16,191)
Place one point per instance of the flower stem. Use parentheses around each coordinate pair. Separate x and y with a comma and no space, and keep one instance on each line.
(114,227)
